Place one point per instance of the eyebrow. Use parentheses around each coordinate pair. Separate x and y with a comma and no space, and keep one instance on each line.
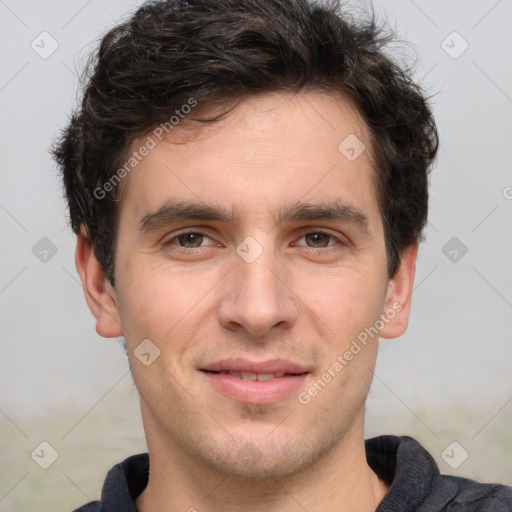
(335,211)
(174,211)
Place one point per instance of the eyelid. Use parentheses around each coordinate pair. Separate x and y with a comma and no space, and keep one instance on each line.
(170,239)
(339,238)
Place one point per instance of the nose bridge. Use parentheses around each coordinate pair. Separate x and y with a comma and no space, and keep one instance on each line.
(256,298)
(259,277)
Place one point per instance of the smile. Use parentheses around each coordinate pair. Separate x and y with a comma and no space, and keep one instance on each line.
(254,376)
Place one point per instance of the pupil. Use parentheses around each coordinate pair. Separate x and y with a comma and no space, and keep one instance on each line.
(192,239)
(316,238)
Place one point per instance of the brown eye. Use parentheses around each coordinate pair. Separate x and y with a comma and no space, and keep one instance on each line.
(189,240)
(317,240)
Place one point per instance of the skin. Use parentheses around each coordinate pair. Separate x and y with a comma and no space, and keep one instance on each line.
(304,299)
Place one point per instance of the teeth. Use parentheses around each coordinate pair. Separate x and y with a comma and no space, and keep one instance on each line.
(248,376)
(253,376)
(266,376)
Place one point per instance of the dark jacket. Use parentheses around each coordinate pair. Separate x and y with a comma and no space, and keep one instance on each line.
(416,484)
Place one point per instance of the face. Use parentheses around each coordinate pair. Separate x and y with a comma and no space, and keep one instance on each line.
(251,253)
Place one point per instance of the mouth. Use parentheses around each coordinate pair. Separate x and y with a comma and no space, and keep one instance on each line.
(253,376)
(253,382)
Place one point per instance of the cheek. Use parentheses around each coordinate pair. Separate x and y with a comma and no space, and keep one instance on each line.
(158,301)
(347,302)
(349,308)
(160,308)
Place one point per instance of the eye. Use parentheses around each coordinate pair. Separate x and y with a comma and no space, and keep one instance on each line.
(318,240)
(188,240)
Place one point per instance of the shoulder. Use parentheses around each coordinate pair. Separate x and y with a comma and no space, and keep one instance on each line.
(94,506)
(415,482)
(465,495)
(123,484)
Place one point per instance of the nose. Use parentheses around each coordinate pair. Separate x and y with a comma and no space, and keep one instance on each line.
(256,297)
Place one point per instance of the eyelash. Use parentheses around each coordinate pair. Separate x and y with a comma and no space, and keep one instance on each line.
(338,241)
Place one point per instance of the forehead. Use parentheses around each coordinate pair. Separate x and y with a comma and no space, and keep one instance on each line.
(272,149)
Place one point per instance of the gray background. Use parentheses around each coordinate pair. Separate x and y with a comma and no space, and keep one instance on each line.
(448,379)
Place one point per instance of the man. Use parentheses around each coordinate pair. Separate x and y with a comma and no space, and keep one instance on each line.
(248,184)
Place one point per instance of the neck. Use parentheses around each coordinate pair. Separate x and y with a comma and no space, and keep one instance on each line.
(340,481)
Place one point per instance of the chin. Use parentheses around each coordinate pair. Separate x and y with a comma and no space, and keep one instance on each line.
(262,458)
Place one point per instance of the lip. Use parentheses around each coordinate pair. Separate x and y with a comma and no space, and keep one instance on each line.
(253,391)
(244,365)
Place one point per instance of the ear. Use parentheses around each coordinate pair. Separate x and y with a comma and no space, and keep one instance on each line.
(99,293)
(398,296)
